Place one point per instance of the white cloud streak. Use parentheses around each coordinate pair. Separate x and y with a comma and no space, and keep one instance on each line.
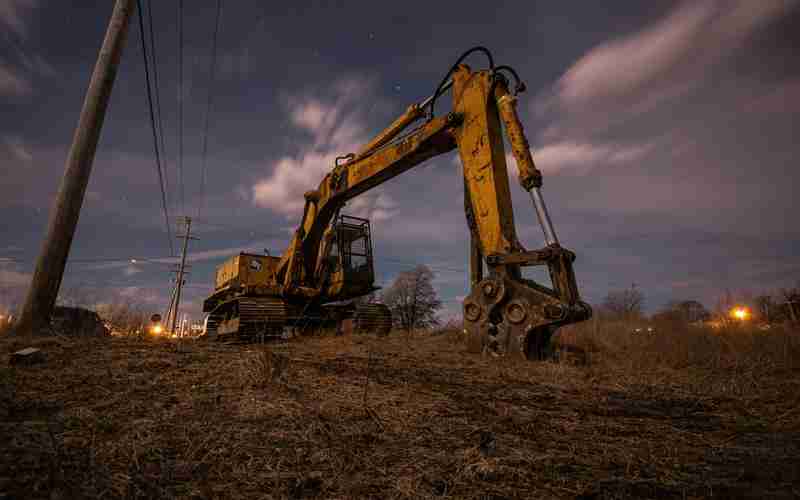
(638,75)
(18,66)
(578,158)
(334,127)
(656,63)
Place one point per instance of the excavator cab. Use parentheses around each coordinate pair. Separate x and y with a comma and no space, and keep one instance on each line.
(352,271)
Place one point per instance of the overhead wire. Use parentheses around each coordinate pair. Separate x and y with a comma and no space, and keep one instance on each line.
(180,106)
(431,267)
(212,80)
(157,87)
(153,127)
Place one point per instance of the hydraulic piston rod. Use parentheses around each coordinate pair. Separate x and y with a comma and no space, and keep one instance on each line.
(550,237)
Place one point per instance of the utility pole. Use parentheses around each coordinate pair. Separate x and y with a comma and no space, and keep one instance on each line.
(66,209)
(168,315)
(179,285)
(171,307)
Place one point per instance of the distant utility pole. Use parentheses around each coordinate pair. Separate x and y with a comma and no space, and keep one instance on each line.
(66,210)
(168,315)
(173,293)
(181,269)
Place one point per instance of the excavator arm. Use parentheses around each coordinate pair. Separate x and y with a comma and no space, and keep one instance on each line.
(298,268)
(504,313)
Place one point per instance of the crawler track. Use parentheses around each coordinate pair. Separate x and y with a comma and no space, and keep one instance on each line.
(249,319)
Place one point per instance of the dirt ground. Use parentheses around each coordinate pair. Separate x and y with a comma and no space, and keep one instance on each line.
(393,417)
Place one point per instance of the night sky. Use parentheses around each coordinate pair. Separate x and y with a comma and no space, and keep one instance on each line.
(667,134)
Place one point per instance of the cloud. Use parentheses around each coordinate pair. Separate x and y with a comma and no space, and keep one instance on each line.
(655,63)
(12,278)
(782,98)
(333,127)
(579,158)
(17,148)
(650,98)
(130,268)
(13,13)
(12,83)
(15,73)
(376,206)
(17,65)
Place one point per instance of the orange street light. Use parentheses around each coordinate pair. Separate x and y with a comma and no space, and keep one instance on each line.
(740,313)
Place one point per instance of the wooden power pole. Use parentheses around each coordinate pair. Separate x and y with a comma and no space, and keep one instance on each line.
(66,209)
(168,314)
(181,270)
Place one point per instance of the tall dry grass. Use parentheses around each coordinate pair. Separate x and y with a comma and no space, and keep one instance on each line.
(678,346)
(672,346)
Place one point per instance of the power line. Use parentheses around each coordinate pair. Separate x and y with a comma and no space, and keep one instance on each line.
(431,267)
(180,104)
(118,259)
(157,86)
(212,80)
(153,126)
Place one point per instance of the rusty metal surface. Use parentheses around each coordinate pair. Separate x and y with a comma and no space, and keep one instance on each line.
(480,146)
(503,317)
(529,175)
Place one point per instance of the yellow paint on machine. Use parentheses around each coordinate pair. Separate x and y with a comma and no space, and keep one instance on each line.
(246,270)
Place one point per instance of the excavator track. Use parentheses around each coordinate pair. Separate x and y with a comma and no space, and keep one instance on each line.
(211,326)
(372,318)
(254,319)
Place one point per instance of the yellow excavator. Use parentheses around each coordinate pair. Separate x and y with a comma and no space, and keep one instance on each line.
(329,262)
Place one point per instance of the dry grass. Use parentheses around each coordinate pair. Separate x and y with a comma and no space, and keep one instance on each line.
(730,352)
(404,416)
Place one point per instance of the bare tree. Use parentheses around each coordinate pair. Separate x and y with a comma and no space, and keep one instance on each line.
(624,304)
(725,303)
(768,309)
(791,299)
(413,300)
(124,315)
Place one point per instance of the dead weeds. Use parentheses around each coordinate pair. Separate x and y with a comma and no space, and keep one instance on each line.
(403,416)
